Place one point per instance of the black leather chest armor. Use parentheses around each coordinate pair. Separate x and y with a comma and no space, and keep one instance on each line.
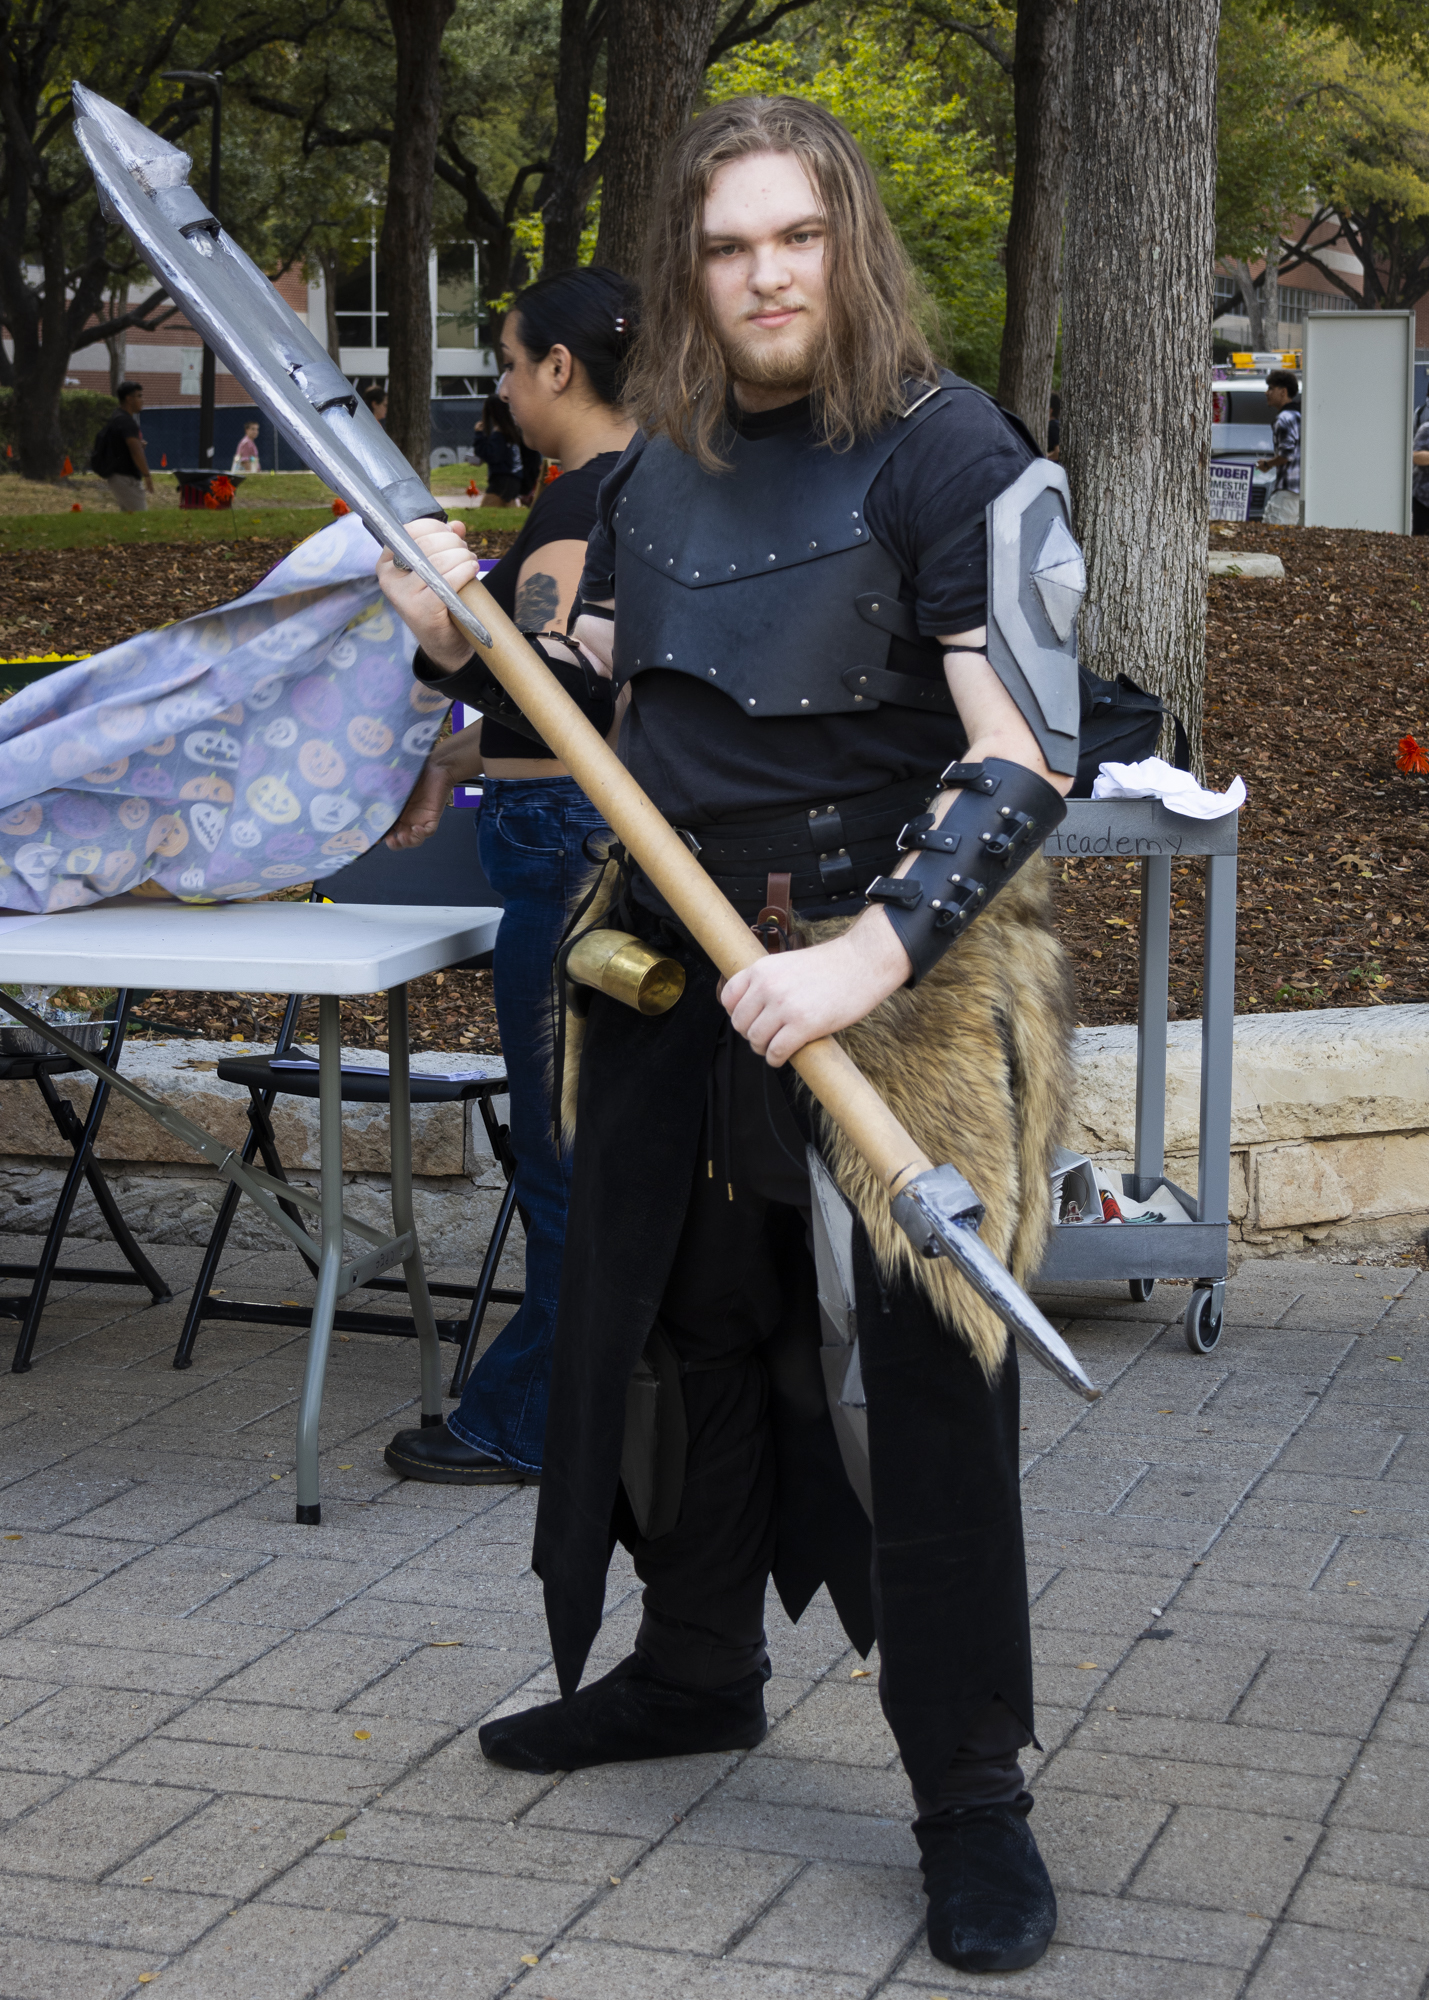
(764,581)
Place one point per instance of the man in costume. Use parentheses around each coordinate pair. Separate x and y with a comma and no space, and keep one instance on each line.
(859,706)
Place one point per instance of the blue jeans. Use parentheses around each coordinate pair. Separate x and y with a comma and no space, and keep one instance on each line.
(531,836)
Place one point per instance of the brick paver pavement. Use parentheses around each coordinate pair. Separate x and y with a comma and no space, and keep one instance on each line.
(238,1758)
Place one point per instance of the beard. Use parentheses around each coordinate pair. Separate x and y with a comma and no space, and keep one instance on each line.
(784,363)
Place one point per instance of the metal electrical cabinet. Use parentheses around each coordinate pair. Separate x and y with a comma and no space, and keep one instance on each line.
(1143,830)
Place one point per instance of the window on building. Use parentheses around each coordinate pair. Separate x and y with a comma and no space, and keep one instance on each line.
(362,300)
(456,296)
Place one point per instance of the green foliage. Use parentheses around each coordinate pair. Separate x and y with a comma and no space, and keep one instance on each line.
(1274,114)
(82,412)
(947,200)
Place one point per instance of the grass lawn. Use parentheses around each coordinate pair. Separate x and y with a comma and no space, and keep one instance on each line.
(280,517)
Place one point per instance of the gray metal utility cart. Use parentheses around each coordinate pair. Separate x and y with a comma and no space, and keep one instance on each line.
(1142,829)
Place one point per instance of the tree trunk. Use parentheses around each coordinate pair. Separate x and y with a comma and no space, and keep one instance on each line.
(405,250)
(655,58)
(330,267)
(1250,298)
(1041,78)
(1136,356)
(565,188)
(1270,298)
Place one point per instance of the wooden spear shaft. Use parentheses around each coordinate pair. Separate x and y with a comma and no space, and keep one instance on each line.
(845,1093)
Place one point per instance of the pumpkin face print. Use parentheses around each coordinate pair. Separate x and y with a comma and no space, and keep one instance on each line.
(379,683)
(212,787)
(37,862)
(281,733)
(341,654)
(83,860)
(117,867)
(427,701)
(320,764)
(317,702)
(153,781)
(381,781)
(233,714)
(191,879)
(213,746)
(79,814)
(25,818)
(369,736)
(108,774)
(67,760)
(272,800)
(419,739)
(122,725)
(379,817)
(245,833)
(207,822)
(266,692)
(167,836)
(68,893)
(374,625)
(182,711)
(354,841)
(290,846)
(283,871)
(162,748)
(330,812)
(133,814)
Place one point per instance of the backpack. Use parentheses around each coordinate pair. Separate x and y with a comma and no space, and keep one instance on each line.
(102,457)
(1120,725)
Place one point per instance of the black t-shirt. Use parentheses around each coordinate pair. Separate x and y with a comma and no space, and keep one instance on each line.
(702,759)
(111,448)
(564,512)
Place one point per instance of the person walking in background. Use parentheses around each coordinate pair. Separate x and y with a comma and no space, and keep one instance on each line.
(1420,487)
(118,455)
(497,445)
(245,455)
(563,349)
(1282,392)
(375,397)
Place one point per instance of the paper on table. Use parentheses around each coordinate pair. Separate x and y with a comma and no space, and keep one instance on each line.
(494,1067)
(1154,778)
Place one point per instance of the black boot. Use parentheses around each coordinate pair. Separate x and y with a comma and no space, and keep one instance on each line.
(629,1714)
(991,1906)
(434,1454)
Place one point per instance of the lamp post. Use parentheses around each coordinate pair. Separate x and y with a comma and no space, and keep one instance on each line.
(213,81)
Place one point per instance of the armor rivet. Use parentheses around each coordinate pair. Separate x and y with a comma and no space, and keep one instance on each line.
(1005,811)
(696,572)
(751,701)
(875,607)
(858,697)
(863,683)
(813,812)
(813,545)
(955,878)
(649,547)
(804,702)
(855,513)
(669,659)
(936,904)
(772,556)
(712,673)
(669,562)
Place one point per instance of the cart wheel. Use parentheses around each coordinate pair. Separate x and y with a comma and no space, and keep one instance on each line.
(1141,1289)
(1202,1332)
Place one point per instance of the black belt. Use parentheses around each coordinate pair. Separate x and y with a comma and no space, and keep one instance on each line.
(829,851)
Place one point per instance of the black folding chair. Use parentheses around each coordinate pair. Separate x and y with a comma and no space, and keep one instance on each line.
(80,1137)
(445,869)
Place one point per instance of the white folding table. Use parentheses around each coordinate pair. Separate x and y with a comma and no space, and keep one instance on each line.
(326,949)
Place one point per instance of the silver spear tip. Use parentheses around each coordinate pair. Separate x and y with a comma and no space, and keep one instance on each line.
(148,159)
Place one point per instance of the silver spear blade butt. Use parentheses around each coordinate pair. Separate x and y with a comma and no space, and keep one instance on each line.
(143,184)
(939,1214)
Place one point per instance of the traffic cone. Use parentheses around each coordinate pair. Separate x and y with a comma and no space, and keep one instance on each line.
(163,459)
(68,468)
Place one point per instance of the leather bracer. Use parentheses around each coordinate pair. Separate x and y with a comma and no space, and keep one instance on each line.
(998,821)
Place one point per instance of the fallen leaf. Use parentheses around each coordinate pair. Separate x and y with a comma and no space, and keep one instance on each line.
(275,1475)
(290,1302)
(1353,1584)
(1086,1666)
(1396,1357)
(148,1878)
(147,1978)
(529,1958)
(14,1538)
(1359,1510)
(344,1468)
(444,1642)
(615,1881)
(363,1735)
(859,1674)
(1165,1413)
(341,1834)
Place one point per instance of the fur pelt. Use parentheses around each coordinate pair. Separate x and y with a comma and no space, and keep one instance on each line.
(975,1062)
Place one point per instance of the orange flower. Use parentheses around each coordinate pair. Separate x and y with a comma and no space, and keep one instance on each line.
(76,508)
(472,487)
(1413,757)
(339,508)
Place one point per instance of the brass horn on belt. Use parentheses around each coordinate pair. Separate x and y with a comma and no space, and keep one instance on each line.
(627,969)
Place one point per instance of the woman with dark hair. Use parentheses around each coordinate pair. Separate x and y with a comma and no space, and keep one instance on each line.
(497,444)
(563,349)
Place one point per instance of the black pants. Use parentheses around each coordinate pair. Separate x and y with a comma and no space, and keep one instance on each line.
(740,1311)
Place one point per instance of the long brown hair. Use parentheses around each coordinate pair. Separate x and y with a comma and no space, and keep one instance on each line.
(679,379)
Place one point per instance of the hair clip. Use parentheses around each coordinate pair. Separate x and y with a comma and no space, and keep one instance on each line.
(621,323)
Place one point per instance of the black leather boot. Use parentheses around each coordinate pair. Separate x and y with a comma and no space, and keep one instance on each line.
(991,1907)
(437,1456)
(627,1715)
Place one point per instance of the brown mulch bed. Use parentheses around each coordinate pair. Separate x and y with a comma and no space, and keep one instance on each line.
(1310,684)
(82,600)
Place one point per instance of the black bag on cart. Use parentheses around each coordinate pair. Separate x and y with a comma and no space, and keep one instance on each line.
(1120,725)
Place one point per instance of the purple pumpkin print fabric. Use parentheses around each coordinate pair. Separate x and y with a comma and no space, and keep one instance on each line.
(266,743)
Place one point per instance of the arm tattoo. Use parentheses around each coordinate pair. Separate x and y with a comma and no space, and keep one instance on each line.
(537,601)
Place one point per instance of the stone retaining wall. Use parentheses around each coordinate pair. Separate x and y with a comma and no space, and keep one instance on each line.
(1330,1138)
